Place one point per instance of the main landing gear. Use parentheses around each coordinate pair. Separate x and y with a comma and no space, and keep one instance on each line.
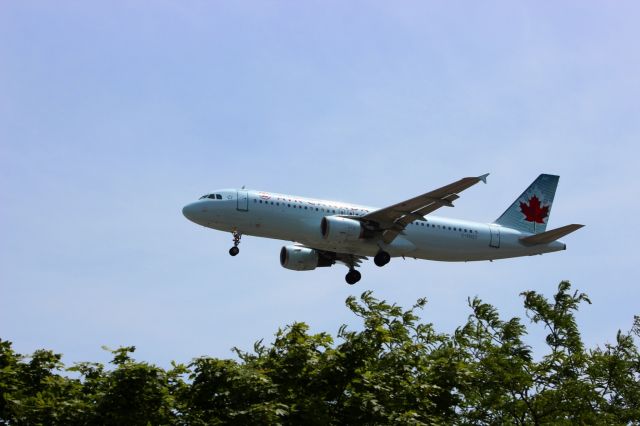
(382,258)
(233,251)
(352,277)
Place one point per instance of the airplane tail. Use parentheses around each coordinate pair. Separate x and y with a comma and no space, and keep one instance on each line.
(530,211)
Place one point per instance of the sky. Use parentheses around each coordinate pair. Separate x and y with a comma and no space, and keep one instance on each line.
(114,115)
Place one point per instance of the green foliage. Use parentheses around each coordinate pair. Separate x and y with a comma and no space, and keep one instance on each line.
(396,369)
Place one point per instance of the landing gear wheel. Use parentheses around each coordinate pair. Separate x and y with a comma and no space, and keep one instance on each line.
(233,251)
(382,258)
(352,277)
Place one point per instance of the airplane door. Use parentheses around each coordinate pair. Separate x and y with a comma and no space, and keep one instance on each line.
(495,236)
(243,200)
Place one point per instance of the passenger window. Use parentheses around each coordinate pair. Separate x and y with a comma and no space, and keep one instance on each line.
(218,197)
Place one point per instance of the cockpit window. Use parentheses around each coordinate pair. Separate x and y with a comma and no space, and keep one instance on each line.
(212,196)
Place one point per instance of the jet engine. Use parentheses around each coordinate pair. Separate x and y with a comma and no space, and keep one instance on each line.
(298,258)
(341,229)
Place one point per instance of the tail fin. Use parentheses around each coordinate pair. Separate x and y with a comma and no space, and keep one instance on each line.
(530,211)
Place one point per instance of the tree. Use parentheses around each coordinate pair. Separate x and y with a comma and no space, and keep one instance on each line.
(396,369)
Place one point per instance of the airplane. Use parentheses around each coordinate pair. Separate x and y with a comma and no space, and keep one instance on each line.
(327,232)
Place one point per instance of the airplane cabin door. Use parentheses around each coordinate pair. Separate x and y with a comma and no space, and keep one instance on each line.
(243,200)
(495,236)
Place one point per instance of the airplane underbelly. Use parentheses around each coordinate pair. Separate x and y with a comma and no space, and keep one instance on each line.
(454,247)
(275,225)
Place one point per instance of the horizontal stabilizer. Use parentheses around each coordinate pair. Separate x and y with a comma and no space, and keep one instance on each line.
(550,236)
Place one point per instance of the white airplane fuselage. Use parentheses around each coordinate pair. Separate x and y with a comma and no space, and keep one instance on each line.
(298,219)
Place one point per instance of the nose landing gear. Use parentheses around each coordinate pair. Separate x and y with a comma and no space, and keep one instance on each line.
(233,251)
(352,277)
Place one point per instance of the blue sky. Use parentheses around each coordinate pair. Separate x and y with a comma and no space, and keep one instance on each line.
(114,115)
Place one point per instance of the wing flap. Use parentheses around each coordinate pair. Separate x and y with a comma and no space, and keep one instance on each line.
(389,235)
(351,260)
(550,236)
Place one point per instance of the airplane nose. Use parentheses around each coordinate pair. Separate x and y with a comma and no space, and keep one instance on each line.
(190,212)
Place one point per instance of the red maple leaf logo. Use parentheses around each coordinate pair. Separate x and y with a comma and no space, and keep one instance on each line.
(534,212)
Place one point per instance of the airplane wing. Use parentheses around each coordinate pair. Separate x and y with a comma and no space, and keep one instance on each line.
(351,260)
(393,219)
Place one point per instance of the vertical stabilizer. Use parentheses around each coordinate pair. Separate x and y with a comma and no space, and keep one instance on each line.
(530,211)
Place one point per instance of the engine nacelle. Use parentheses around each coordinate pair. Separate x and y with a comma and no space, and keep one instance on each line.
(299,258)
(341,229)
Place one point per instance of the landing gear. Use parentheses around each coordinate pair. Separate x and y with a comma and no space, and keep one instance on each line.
(382,258)
(352,277)
(233,251)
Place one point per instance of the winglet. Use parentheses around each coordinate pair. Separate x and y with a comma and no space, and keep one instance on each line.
(483,178)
